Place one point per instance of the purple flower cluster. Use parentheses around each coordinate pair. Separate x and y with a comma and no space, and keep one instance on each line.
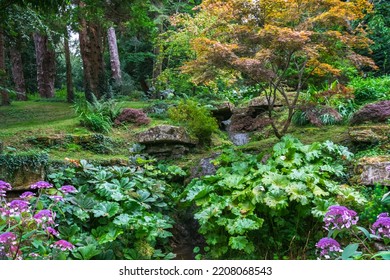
(4,187)
(6,237)
(339,217)
(63,245)
(41,185)
(328,247)
(27,195)
(52,231)
(68,189)
(382,226)
(44,217)
(15,208)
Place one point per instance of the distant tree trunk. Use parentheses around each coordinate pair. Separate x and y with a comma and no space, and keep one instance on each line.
(17,73)
(45,57)
(91,48)
(4,94)
(114,56)
(69,81)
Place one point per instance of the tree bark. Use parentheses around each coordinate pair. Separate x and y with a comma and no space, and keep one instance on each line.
(91,48)
(45,57)
(114,56)
(69,80)
(4,94)
(17,73)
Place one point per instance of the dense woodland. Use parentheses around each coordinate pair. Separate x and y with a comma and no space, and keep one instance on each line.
(160,129)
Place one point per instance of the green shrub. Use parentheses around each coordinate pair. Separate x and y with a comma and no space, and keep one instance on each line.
(98,116)
(254,210)
(197,119)
(371,89)
(375,204)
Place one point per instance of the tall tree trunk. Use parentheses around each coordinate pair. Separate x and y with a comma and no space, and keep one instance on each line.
(69,80)
(17,73)
(114,56)
(91,48)
(45,57)
(4,94)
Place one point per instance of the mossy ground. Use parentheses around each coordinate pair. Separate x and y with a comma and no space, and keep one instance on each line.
(23,120)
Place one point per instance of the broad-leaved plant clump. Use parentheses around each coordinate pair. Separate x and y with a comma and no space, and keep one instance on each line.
(118,212)
(249,209)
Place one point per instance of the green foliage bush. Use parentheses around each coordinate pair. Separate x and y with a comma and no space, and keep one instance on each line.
(253,210)
(371,89)
(98,116)
(197,119)
(375,204)
(118,212)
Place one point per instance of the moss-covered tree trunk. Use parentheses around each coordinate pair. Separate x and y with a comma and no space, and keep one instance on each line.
(4,94)
(91,48)
(69,80)
(17,72)
(45,58)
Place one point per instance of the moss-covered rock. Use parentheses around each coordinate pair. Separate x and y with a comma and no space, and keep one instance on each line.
(369,133)
(372,170)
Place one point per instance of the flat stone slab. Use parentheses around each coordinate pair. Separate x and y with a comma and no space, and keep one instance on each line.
(165,134)
(369,133)
(373,170)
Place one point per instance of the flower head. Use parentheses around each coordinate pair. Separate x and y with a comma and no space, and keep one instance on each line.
(339,217)
(44,217)
(382,226)
(63,245)
(68,189)
(328,247)
(17,206)
(41,185)
(27,195)
(52,231)
(4,187)
(6,237)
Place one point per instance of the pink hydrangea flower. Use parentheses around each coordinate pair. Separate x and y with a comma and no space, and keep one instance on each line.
(63,245)
(68,189)
(328,247)
(339,217)
(44,217)
(41,185)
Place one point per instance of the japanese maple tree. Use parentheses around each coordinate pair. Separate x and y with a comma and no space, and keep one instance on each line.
(277,44)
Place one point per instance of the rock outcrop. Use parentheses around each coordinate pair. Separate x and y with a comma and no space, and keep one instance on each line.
(374,112)
(369,134)
(372,170)
(166,141)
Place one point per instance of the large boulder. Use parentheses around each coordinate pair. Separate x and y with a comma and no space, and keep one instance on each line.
(166,141)
(369,134)
(375,112)
(372,170)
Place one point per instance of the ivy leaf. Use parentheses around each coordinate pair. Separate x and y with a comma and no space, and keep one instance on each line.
(106,209)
